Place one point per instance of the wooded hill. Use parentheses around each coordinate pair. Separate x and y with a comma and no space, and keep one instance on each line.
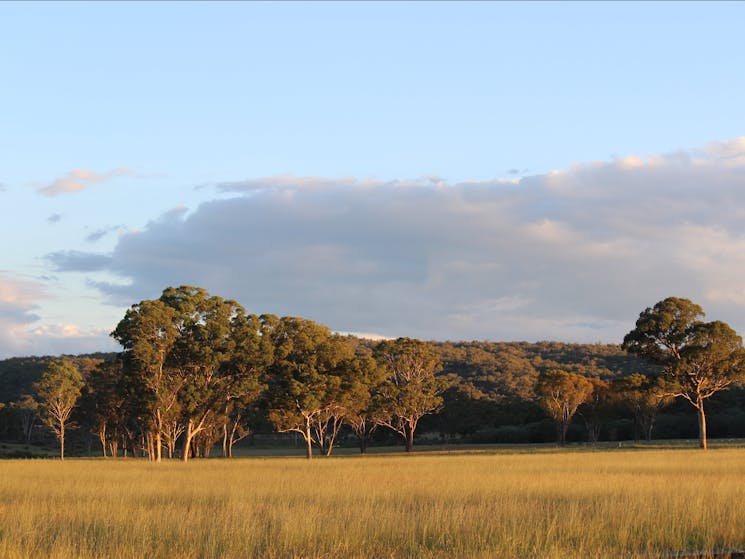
(490,399)
(197,369)
(481,369)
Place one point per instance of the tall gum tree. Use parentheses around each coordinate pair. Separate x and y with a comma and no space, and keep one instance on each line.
(251,355)
(202,353)
(59,389)
(411,390)
(644,396)
(304,377)
(698,358)
(363,410)
(148,333)
(190,356)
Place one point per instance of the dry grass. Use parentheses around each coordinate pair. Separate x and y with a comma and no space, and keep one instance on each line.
(549,504)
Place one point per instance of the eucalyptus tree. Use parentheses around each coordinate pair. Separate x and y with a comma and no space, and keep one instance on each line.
(644,396)
(208,355)
(58,390)
(411,389)
(363,406)
(27,409)
(349,398)
(304,378)
(148,333)
(560,394)
(252,353)
(597,408)
(699,359)
(190,354)
(103,402)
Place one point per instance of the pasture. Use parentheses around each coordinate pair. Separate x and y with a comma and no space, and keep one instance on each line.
(548,503)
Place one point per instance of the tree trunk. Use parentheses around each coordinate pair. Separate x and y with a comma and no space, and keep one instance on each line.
(225,438)
(102,438)
(648,429)
(562,428)
(593,431)
(701,424)
(61,440)
(409,438)
(150,446)
(158,446)
(308,441)
(188,434)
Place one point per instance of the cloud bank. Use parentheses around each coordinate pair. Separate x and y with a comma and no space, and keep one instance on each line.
(80,179)
(19,300)
(572,255)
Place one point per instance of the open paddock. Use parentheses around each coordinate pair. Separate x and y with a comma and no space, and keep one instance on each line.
(486,503)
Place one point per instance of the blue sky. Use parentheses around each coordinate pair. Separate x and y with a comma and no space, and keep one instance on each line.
(352,136)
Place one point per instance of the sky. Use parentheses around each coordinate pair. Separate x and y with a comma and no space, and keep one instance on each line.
(492,171)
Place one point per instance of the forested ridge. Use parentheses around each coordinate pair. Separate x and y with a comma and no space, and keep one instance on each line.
(197,371)
(482,369)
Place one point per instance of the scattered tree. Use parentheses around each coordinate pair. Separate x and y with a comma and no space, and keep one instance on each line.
(59,389)
(644,396)
(560,394)
(411,390)
(698,358)
(597,408)
(28,409)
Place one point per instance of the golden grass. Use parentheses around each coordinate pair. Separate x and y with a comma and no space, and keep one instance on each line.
(550,504)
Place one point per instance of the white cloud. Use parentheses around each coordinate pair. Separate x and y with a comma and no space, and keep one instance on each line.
(80,179)
(574,254)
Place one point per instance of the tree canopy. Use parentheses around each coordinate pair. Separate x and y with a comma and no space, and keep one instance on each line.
(698,358)
(58,390)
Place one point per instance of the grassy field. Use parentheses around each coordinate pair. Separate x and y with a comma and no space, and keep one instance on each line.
(548,503)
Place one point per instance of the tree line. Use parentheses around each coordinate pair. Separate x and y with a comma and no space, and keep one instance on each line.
(198,371)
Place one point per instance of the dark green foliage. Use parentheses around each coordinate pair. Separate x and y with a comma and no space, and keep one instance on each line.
(698,359)
(18,374)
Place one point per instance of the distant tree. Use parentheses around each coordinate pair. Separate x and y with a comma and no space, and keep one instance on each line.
(597,408)
(27,410)
(644,396)
(560,394)
(411,390)
(103,402)
(58,390)
(698,358)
